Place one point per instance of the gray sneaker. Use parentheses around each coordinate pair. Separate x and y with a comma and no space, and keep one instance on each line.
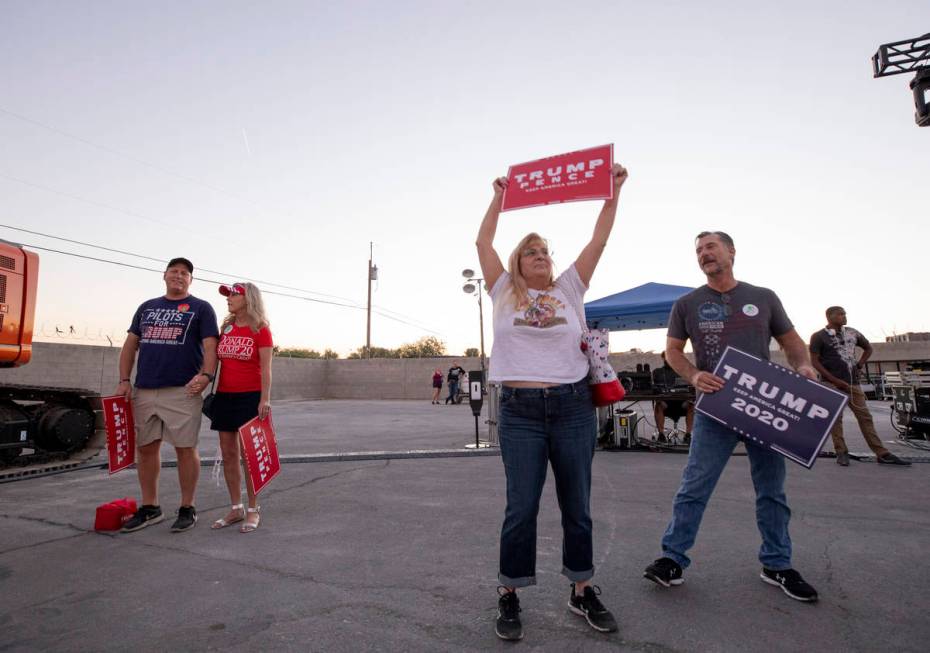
(842,459)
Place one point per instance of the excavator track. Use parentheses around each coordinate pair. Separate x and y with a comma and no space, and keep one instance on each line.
(63,427)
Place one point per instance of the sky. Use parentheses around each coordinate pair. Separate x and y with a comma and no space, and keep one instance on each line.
(275,141)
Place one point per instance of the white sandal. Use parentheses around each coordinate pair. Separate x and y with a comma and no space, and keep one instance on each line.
(223,523)
(247,527)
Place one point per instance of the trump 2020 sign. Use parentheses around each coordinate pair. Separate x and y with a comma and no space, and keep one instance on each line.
(772,406)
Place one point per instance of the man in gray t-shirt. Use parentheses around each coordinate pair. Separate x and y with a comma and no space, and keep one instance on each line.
(728,312)
(745,317)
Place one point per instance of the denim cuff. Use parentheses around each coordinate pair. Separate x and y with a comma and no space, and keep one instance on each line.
(681,561)
(507,581)
(578,576)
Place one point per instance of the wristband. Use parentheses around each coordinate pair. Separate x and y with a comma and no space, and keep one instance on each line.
(125,380)
(209,376)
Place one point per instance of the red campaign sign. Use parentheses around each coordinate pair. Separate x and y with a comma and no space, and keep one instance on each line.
(260,451)
(121,432)
(572,177)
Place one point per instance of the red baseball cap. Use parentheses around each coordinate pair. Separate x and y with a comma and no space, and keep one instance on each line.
(232,289)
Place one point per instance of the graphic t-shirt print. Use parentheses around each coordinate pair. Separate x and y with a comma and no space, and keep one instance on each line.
(237,347)
(540,312)
(165,326)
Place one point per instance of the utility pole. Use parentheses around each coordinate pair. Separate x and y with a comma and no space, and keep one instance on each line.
(372,275)
(481,324)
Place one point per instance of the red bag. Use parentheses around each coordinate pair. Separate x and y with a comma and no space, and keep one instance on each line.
(111,516)
(605,394)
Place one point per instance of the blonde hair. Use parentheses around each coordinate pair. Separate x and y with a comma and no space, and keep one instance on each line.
(254,308)
(517,280)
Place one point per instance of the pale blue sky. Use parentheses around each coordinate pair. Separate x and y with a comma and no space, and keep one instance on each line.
(274,140)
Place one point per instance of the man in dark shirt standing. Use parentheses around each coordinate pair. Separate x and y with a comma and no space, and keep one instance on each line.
(175,337)
(664,379)
(456,372)
(833,352)
(729,312)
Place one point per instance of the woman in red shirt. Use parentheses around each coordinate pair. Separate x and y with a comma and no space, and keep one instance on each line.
(437,385)
(244,391)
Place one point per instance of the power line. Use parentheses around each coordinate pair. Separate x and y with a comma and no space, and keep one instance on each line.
(268,292)
(380,310)
(161,260)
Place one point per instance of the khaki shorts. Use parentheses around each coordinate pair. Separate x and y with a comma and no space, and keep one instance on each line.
(168,414)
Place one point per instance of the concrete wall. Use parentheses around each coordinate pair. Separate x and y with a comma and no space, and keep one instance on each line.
(95,369)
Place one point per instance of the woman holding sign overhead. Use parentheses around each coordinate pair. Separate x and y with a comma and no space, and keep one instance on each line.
(546,413)
(244,392)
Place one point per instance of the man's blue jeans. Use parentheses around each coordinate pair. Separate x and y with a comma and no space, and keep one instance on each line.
(557,426)
(453,391)
(711,446)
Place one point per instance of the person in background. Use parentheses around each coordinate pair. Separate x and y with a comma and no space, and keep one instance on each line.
(175,339)
(663,380)
(437,385)
(546,413)
(454,378)
(833,352)
(243,393)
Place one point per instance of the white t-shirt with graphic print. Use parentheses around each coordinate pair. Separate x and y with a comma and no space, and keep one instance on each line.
(541,339)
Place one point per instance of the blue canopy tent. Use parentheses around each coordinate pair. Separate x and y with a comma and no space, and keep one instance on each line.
(644,307)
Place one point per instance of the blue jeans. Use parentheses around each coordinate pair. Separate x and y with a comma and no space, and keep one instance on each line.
(711,446)
(557,426)
(453,391)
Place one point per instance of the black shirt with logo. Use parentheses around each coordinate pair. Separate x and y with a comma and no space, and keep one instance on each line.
(837,351)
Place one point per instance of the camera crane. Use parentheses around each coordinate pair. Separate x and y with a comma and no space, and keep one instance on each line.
(907,56)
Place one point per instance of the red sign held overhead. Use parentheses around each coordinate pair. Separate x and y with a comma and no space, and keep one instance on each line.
(572,177)
(260,451)
(121,432)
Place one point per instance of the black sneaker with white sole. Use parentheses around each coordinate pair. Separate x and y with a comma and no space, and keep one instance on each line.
(144,516)
(791,584)
(508,624)
(590,607)
(187,517)
(665,572)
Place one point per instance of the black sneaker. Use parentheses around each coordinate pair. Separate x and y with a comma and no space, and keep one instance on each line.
(665,572)
(591,608)
(187,517)
(842,459)
(144,516)
(508,616)
(891,459)
(791,584)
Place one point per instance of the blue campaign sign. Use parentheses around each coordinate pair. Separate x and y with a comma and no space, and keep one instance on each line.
(773,406)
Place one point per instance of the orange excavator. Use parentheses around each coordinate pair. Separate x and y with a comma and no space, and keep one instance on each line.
(37,423)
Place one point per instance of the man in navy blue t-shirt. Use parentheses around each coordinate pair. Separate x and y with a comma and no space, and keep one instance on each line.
(175,337)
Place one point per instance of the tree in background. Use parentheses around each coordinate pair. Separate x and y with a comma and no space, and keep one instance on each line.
(293,352)
(376,352)
(472,352)
(425,347)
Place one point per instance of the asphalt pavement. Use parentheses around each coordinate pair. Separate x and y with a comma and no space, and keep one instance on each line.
(401,554)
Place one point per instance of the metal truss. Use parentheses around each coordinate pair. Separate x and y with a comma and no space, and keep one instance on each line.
(902,56)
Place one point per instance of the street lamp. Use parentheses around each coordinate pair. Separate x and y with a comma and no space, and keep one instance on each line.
(473,286)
